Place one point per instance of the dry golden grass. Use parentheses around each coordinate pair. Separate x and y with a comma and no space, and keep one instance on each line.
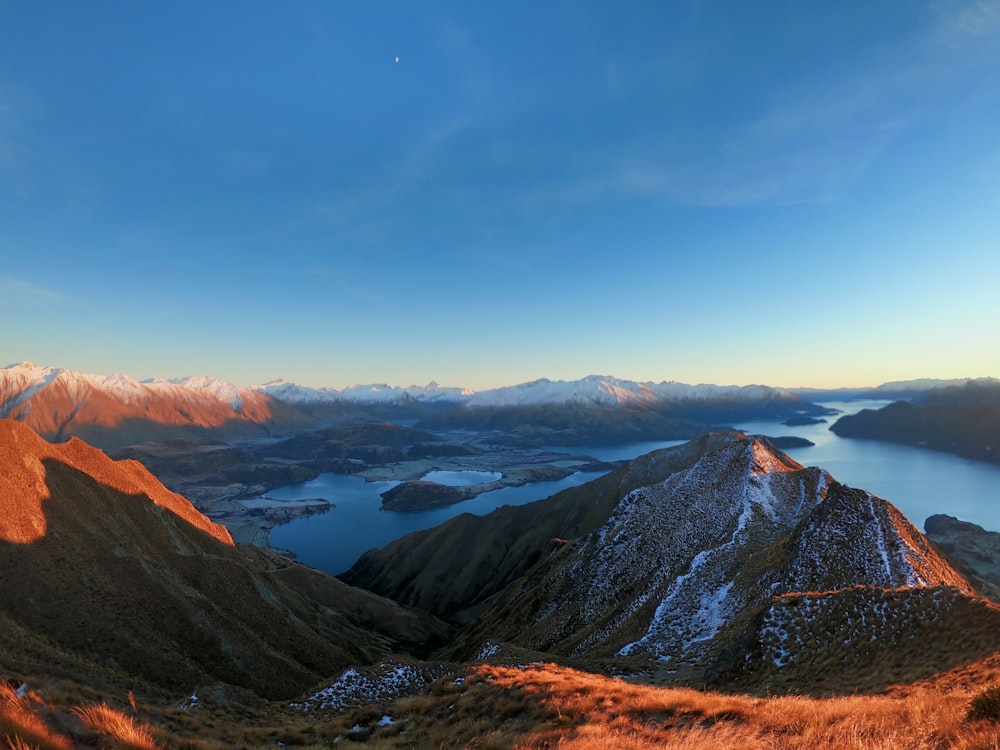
(115,729)
(546,706)
(21,726)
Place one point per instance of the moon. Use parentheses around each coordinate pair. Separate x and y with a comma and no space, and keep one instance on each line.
(397,58)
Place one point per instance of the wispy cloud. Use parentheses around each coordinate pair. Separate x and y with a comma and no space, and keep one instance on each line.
(978,18)
(365,209)
(816,132)
(12,286)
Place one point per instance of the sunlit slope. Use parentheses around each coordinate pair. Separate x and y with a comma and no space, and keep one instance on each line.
(109,576)
(115,410)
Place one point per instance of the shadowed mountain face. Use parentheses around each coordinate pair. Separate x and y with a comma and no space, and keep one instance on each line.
(109,577)
(964,420)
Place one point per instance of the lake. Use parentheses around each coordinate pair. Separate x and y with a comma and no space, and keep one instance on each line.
(919,482)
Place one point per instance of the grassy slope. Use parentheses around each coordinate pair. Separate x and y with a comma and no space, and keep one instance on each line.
(120,589)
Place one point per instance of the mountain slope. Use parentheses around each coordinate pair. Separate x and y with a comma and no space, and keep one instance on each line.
(109,576)
(115,410)
(453,569)
(715,572)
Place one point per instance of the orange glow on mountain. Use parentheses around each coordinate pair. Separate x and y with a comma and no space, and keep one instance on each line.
(24,487)
(64,402)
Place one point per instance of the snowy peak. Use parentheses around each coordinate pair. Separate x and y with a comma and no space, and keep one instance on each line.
(378,393)
(593,389)
(857,538)
(684,569)
(601,390)
(111,410)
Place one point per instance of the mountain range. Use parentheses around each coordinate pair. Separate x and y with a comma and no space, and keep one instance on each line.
(116,410)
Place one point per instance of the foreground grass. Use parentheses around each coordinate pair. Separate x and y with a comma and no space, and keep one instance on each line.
(545,706)
(496,707)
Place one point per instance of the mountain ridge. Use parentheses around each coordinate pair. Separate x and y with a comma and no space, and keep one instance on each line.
(116,411)
(111,578)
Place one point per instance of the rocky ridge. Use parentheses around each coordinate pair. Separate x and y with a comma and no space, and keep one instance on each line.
(744,547)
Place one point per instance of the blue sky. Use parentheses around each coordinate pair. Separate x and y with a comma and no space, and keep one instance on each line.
(772,192)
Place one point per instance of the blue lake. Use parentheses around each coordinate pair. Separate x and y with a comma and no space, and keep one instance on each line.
(919,482)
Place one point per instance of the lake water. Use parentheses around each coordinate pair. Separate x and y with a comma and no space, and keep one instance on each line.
(334,540)
(919,482)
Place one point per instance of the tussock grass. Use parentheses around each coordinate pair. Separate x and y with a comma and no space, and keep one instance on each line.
(510,707)
(115,729)
(985,704)
(556,707)
(21,726)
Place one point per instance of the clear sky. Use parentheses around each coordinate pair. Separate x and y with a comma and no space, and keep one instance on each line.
(789,193)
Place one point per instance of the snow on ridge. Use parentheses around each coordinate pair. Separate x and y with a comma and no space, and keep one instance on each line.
(678,543)
(19,382)
(220,390)
(385,681)
(292,393)
(376,393)
(931,384)
(597,390)
(610,391)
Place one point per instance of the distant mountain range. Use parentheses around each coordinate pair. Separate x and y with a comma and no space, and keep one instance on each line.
(962,419)
(116,410)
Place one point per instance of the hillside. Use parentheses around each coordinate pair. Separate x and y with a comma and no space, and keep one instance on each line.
(721,562)
(964,420)
(109,578)
(451,570)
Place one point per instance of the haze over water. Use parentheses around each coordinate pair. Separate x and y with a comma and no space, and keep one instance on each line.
(919,482)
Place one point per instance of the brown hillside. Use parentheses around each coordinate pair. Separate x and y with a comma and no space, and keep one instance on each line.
(23,485)
(106,577)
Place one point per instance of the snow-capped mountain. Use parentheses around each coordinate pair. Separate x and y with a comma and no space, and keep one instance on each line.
(604,390)
(704,570)
(605,410)
(116,410)
(379,393)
